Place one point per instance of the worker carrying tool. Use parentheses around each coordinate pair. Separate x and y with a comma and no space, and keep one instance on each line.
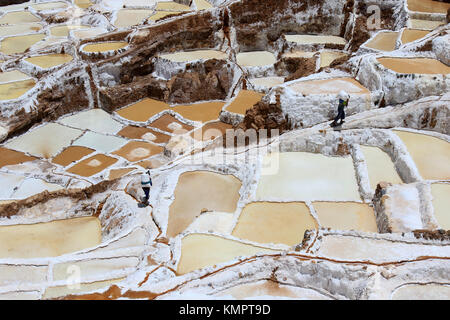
(146,183)
(343,97)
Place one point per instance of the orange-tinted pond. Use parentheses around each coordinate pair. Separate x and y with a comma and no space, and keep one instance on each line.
(169,123)
(244,101)
(415,65)
(71,154)
(92,165)
(143,133)
(143,110)
(211,130)
(203,112)
(11,157)
(138,150)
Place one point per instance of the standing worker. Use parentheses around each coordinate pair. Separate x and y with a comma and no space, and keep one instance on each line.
(146,183)
(344,97)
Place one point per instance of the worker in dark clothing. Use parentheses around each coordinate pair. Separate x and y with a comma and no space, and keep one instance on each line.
(146,183)
(343,102)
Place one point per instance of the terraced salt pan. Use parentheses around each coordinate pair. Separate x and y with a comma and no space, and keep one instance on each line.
(19,29)
(415,65)
(64,30)
(11,157)
(49,239)
(428,6)
(301,176)
(350,248)
(272,289)
(429,291)
(129,17)
(144,133)
(218,222)
(88,33)
(430,154)
(96,120)
(19,44)
(14,75)
(188,56)
(9,182)
(83,3)
(244,101)
(384,41)
(50,60)
(119,173)
(211,131)
(424,24)
(92,165)
(267,82)
(138,150)
(71,154)
(346,216)
(161,14)
(202,112)
(14,90)
(45,141)
(271,222)
(197,191)
(17,17)
(49,5)
(314,39)
(61,291)
(171,6)
(143,110)
(379,166)
(169,123)
(441,204)
(31,187)
(330,86)
(104,46)
(100,142)
(202,250)
(327,57)
(255,58)
(410,35)
(202,4)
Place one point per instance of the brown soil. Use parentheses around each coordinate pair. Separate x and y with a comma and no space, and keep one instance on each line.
(71,154)
(92,165)
(138,150)
(132,132)
(299,67)
(11,157)
(162,123)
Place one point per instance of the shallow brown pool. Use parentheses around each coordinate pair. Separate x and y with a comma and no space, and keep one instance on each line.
(138,150)
(11,157)
(143,110)
(205,111)
(169,123)
(71,154)
(415,65)
(144,133)
(244,101)
(384,41)
(211,130)
(92,165)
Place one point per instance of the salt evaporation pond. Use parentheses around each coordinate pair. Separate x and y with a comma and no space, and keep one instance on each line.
(441,204)
(384,41)
(49,239)
(19,44)
(105,46)
(50,60)
(255,59)
(415,65)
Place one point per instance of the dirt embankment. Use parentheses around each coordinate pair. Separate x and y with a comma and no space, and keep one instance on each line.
(13,208)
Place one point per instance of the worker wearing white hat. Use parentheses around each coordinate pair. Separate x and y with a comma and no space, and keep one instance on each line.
(343,97)
(146,183)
